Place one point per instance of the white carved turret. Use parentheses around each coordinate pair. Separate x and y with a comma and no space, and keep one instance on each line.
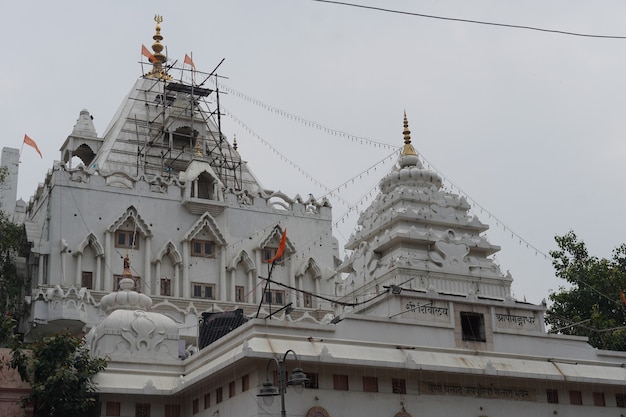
(414,229)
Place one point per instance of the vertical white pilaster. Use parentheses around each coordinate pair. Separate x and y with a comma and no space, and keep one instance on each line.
(222,274)
(79,270)
(98,271)
(148,286)
(251,298)
(176,281)
(186,288)
(317,291)
(107,285)
(158,277)
(292,279)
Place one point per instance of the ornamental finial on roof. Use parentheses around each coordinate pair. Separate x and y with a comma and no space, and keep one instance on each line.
(407,149)
(159,58)
(198,147)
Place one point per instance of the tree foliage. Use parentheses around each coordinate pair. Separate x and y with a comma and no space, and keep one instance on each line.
(58,368)
(11,285)
(60,372)
(591,306)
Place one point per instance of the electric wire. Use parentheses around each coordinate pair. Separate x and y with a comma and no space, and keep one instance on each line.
(334,301)
(344,185)
(472,21)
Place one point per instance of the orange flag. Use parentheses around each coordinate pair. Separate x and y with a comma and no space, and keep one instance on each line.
(145,52)
(188,61)
(28,141)
(281,247)
(621,294)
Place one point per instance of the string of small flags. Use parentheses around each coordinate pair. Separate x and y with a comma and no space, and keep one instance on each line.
(499,223)
(305,122)
(330,193)
(276,151)
(367,141)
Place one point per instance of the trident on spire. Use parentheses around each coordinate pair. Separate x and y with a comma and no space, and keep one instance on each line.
(159,58)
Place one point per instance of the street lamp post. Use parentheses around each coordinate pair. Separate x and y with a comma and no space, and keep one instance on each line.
(298,379)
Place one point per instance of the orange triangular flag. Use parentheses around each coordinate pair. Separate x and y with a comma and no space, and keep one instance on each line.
(188,61)
(145,52)
(281,247)
(28,141)
(621,294)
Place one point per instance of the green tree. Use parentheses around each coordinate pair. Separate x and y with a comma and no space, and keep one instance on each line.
(58,368)
(11,237)
(60,372)
(11,285)
(591,305)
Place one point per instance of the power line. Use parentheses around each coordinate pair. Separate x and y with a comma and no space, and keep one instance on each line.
(476,22)
(334,301)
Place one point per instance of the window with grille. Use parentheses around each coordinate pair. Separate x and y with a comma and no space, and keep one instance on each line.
(142,410)
(275,297)
(340,382)
(113,408)
(575,397)
(313,381)
(269,253)
(87,280)
(552,396)
(203,248)
(370,384)
(240,294)
(218,395)
(206,291)
(598,399)
(231,390)
(620,400)
(245,383)
(207,400)
(473,326)
(308,300)
(195,406)
(166,287)
(126,239)
(172,410)
(398,385)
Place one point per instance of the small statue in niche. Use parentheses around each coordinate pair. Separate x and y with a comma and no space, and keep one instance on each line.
(244,198)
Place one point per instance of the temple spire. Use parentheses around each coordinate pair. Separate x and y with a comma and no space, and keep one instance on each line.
(160,59)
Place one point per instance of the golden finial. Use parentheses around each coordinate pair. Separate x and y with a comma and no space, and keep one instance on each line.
(406,132)
(126,272)
(198,147)
(408,148)
(160,59)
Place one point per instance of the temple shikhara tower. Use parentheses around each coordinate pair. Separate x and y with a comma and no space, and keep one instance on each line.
(154,238)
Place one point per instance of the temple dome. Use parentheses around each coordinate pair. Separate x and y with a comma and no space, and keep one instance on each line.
(130,330)
(409,171)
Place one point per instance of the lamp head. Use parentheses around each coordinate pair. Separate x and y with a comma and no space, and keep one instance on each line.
(298,380)
(268,391)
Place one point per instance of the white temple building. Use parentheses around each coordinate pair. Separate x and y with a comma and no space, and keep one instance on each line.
(156,246)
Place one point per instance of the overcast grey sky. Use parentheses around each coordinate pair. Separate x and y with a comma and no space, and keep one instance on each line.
(530,125)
